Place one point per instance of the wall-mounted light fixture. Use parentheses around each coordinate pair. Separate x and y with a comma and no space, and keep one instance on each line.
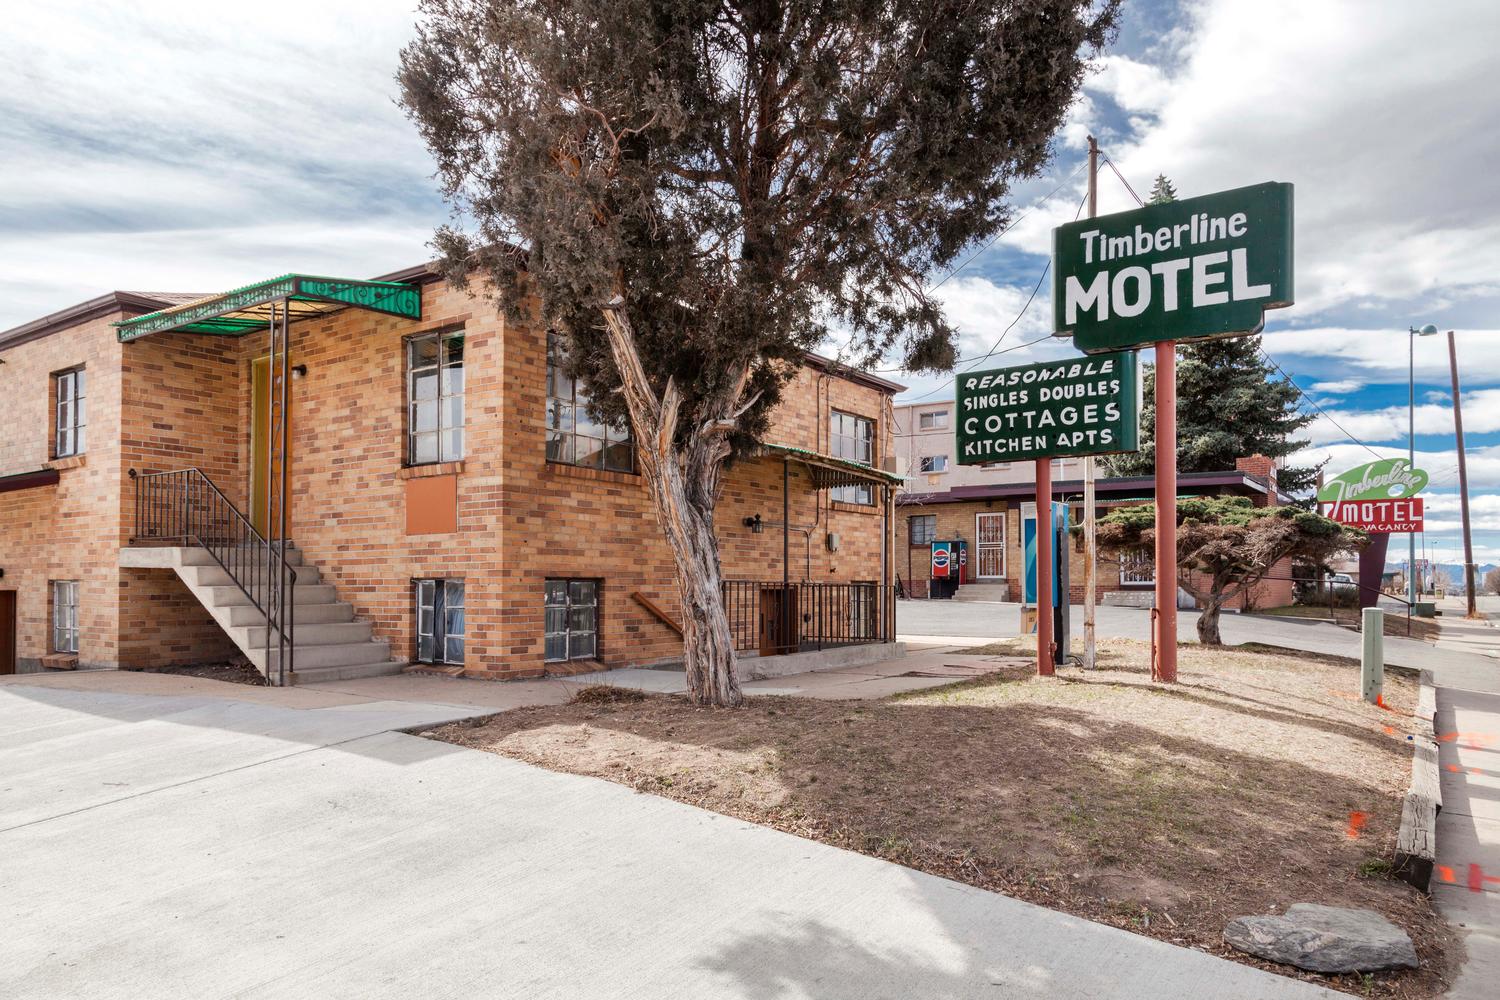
(754,524)
(299,371)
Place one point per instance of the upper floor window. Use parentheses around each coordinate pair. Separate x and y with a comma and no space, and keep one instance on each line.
(852,438)
(435,398)
(72,413)
(65,616)
(934,421)
(934,463)
(573,437)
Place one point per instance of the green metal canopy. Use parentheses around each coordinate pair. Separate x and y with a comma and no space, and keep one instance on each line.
(248,309)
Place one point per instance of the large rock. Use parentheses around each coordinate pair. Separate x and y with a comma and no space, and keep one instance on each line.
(1325,939)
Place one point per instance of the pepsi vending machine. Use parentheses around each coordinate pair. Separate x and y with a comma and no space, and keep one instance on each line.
(948,560)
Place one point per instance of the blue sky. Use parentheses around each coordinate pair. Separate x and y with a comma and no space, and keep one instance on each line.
(150,147)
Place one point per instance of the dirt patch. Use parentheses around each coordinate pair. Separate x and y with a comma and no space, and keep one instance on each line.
(233,673)
(604,694)
(1163,810)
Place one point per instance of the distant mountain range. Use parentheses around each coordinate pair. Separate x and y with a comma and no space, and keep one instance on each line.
(1455,573)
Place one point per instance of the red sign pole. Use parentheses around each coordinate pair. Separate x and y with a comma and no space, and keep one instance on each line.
(1165,667)
(1044,657)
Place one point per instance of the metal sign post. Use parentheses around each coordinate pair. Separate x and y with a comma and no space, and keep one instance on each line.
(1186,270)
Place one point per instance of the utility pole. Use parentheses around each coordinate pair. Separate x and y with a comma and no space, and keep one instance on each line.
(1463,483)
(1090,546)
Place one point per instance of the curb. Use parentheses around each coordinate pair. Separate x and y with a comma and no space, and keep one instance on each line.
(1416,841)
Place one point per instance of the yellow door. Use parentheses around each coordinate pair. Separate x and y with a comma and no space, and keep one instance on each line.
(260,440)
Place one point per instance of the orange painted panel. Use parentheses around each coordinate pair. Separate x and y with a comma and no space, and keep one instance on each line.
(432,505)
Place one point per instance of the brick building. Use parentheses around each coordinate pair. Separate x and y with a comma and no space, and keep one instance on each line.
(448,500)
(988,518)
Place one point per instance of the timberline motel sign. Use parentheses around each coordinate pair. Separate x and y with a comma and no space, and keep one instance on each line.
(1196,269)
(1380,498)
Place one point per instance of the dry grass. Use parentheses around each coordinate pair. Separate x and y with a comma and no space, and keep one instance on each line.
(1165,811)
(1397,625)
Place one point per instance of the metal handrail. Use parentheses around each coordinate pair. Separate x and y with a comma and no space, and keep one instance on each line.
(185,506)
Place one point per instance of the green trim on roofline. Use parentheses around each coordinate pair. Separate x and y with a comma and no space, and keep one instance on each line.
(248,309)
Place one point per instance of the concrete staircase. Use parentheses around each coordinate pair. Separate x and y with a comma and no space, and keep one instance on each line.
(331,644)
(986,593)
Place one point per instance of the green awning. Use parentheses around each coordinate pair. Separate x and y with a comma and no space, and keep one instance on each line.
(829,472)
(248,309)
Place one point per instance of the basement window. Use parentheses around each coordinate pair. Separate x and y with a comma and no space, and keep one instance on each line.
(71,413)
(65,616)
(435,398)
(572,629)
(440,621)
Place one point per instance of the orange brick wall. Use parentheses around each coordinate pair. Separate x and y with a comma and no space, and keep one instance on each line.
(521,520)
(66,531)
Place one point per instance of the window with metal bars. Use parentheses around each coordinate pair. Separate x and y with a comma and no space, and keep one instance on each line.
(440,621)
(435,398)
(65,616)
(572,627)
(71,418)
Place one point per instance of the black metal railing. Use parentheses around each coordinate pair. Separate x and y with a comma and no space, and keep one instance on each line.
(184,507)
(773,618)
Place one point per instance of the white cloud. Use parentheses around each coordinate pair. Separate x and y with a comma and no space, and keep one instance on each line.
(1381,355)
(1381,113)
(1481,415)
(1346,385)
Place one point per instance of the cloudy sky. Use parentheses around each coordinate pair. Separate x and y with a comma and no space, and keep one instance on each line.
(150,147)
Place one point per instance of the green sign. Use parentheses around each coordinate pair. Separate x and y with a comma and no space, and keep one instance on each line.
(1186,270)
(1387,479)
(1079,406)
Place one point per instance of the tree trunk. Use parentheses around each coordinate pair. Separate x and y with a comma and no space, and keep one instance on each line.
(1208,623)
(684,482)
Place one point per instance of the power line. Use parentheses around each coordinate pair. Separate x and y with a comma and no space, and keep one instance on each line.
(1111,164)
(949,381)
(1313,403)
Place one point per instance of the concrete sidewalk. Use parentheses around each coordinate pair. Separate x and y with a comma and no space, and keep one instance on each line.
(1466,885)
(204,848)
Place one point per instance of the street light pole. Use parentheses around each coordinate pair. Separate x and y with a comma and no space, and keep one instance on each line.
(1463,483)
(1411,445)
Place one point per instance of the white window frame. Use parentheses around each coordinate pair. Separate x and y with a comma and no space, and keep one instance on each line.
(563,596)
(852,438)
(65,616)
(937,420)
(940,463)
(70,416)
(435,408)
(440,619)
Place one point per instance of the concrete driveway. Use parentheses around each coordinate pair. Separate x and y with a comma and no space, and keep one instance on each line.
(163,845)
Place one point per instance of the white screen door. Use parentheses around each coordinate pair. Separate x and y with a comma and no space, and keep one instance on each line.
(989,529)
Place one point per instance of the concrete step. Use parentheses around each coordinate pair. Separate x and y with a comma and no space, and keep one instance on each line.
(244,615)
(212,575)
(990,593)
(308,634)
(318,675)
(302,593)
(202,557)
(337,655)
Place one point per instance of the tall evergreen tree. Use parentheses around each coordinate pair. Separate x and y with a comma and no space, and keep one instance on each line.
(1231,403)
(695,191)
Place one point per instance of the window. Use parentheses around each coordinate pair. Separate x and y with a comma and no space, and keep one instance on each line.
(572,619)
(922,529)
(573,438)
(934,421)
(440,621)
(934,463)
(72,413)
(435,398)
(852,438)
(65,616)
